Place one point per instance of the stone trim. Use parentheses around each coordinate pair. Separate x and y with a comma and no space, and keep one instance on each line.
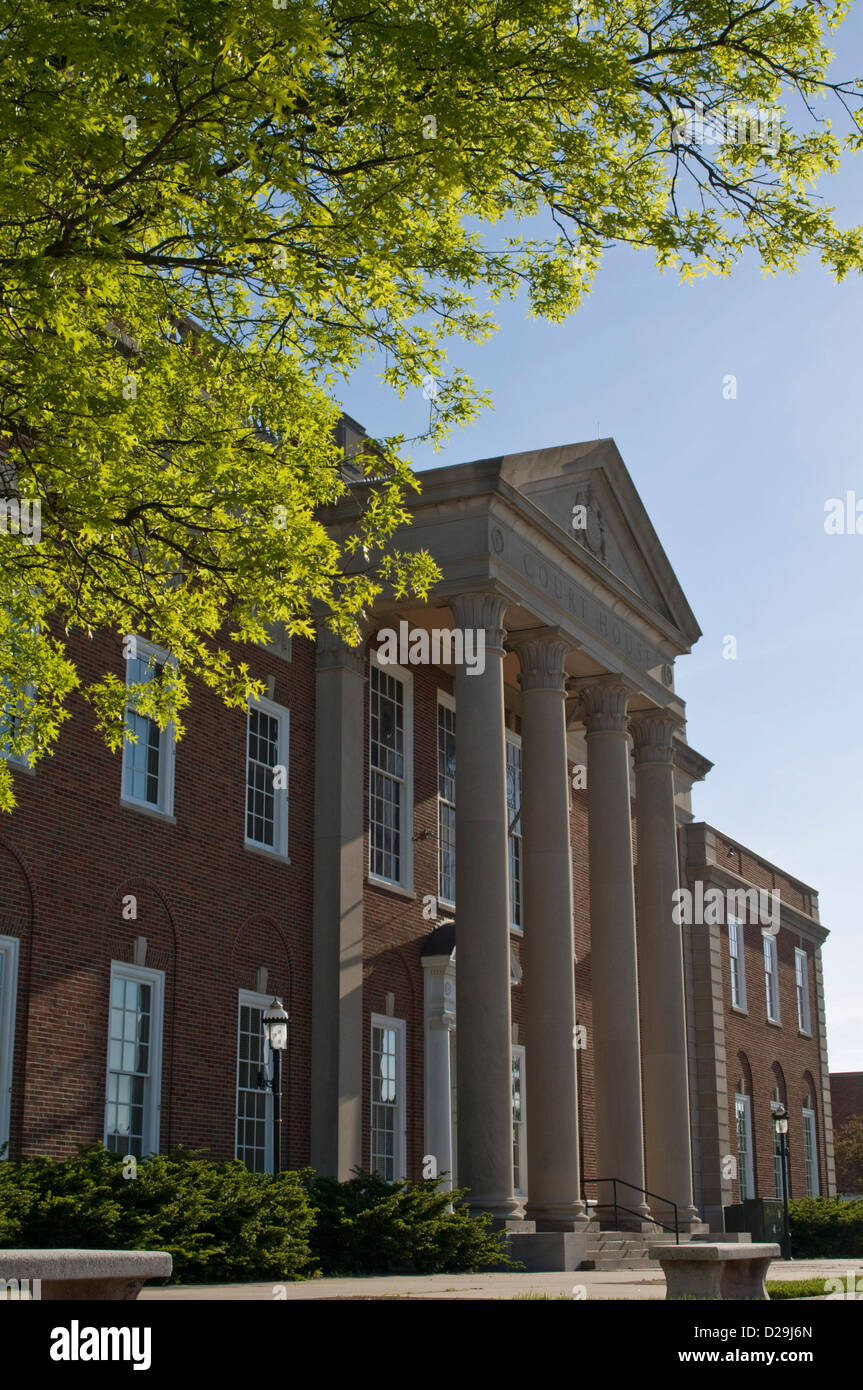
(652,736)
(543,659)
(481,608)
(604,700)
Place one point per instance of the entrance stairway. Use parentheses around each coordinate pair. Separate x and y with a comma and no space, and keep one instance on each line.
(614,1248)
(600,1243)
(625,1249)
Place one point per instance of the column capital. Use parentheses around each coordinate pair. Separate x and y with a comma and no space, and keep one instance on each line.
(653,733)
(604,700)
(542,654)
(481,608)
(332,652)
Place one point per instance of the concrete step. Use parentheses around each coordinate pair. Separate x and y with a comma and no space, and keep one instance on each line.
(613,1250)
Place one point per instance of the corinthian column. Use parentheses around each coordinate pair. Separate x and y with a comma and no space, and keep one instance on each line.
(613,953)
(554,1200)
(484,1037)
(665,1071)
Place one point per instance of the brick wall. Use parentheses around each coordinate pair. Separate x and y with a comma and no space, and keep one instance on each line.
(772,1055)
(846,1088)
(212,913)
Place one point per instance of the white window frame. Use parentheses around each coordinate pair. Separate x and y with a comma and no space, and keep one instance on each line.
(771,977)
(9,948)
(801,977)
(406,882)
(810,1163)
(281,798)
(737,963)
(776,1107)
(20,760)
(444,701)
(514,740)
(153,1104)
(400,1129)
(253,1000)
(521,1189)
(145,650)
(746,1176)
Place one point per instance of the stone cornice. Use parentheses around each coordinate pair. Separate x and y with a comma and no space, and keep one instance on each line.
(693,764)
(791,918)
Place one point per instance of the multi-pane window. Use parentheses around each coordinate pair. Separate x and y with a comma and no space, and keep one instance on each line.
(810,1152)
(267,776)
(134,1061)
(8,990)
(745,1178)
(519,1147)
(776,1106)
(513,802)
(388,1122)
(389,771)
(148,762)
(446,802)
(13,725)
(736,958)
(801,972)
(254,1103)
(771,977)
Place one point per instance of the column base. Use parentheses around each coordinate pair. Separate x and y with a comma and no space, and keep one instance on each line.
(557,1216)
(688,1220)
(640,1220)
(505,1215)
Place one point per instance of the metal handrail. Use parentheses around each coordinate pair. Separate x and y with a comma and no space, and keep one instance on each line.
(645,1192)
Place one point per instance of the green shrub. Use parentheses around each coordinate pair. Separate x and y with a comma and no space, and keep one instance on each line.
(369,1226)
(219,1221)
(222,1223)
(825,1228)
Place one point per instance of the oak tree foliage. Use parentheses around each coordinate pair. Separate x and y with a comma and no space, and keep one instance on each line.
(211,211)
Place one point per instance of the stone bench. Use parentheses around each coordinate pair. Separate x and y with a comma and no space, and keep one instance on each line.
(719,1269)
(80,1274)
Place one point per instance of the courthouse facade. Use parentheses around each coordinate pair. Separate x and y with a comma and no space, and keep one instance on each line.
(465,885)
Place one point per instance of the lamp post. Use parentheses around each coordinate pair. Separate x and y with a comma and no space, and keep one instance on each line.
(276,1022)
(780,1125)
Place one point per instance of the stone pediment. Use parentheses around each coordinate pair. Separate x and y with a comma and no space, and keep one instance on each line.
(586,490)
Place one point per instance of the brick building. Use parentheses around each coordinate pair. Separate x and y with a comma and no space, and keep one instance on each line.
(846,1090)
(152,904)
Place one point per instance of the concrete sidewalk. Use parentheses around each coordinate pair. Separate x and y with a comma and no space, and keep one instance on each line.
(580,1284)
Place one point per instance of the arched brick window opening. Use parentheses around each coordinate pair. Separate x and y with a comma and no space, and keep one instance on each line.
(809,1118)
(778,1102)
(744,1130)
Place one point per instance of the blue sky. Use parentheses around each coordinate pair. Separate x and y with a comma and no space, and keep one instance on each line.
(736,490)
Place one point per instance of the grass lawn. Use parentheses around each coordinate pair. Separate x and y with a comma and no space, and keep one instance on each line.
(777,1289)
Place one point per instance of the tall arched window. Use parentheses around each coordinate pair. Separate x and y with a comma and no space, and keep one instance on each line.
(810,1136)
(778,1101)
(744,1130)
